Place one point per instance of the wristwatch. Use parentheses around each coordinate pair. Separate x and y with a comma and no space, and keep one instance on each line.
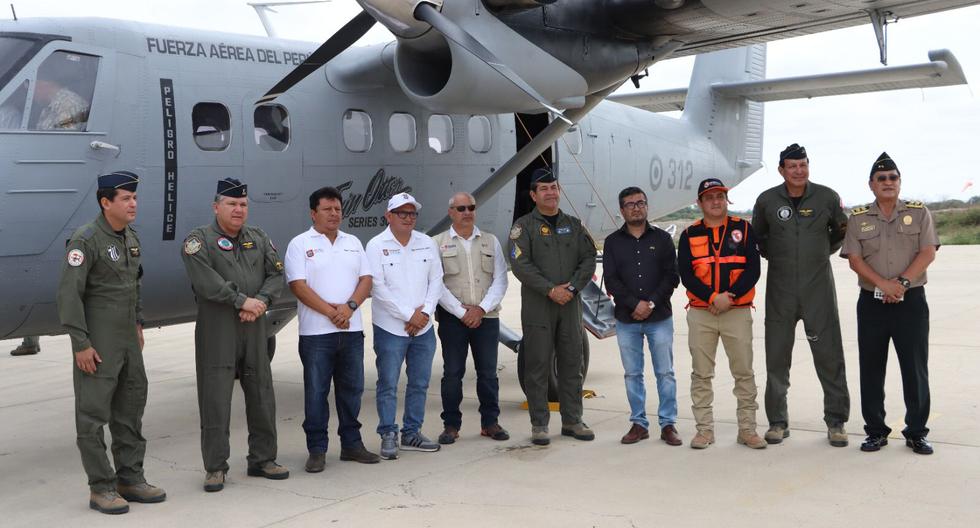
(571,289)
(352,304)
(904,282)
(651,304)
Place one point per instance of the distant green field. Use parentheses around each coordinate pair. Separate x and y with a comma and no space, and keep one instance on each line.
(958,227)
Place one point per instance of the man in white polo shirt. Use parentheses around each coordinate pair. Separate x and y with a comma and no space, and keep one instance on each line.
(328,272)
(407,275)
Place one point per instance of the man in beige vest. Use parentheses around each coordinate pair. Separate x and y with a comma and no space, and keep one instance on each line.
(475,275)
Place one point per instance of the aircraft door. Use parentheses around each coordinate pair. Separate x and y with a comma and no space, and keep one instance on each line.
(273,160)
(58,110)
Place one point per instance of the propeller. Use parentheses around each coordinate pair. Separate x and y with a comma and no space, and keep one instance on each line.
(393,15)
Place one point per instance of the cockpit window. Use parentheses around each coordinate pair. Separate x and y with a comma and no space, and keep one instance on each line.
(14,54)
(12,110)
(63,92)
(271,127)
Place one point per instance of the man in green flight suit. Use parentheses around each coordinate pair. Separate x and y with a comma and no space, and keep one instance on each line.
(100,307)
(799,224)
(554,258)
(236,274)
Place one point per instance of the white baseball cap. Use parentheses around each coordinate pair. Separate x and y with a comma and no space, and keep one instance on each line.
(401,199)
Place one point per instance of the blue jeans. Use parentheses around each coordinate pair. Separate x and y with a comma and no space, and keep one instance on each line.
(660,337)
(416,353)
(340,357)
(457,339)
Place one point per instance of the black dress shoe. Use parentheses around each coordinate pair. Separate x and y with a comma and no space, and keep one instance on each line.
(919,445)
(358,454)
(874,443)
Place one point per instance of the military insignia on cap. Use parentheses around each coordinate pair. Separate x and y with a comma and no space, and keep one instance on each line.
(515,232)
(134,251)
(75,258)
(225,245)
(784,213)
(545,230)
(309,253)
(192,245)
(113,253)
(737,236)
(907,220)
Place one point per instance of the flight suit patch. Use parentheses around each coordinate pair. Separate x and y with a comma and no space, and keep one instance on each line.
(564,230)
(134,251)
(545,230)
(225,245)
(192,245)
(75,258)
(113,253)
(515,232)
(806,212)
(784,213)
(279,266)
(248,245)
(515,252)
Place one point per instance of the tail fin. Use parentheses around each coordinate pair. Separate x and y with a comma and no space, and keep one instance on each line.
(733,124)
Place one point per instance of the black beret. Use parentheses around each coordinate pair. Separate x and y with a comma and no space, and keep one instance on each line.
(794,151)
(232,188)
(124,180)
(884,163)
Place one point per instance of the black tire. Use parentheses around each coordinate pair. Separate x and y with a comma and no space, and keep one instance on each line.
(553,377)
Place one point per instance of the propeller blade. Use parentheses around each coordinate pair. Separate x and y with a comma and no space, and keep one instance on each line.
(428,13)
(344,38)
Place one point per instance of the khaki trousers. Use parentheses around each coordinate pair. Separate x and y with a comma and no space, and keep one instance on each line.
(735,329)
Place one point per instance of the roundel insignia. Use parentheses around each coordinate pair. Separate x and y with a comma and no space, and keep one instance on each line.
(515,232)
(76,258)
(192,245)
(784,213)
(737,236)
(113,253)
(225,245)
(907,220)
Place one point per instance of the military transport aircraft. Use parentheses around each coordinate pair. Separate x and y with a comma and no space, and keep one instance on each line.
(471,95)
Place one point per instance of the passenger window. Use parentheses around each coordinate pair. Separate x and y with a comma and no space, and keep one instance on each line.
(479,133)
(402,132)
(12,110)
(212,126)
(63,92)
(358,133)
(573,140)
(271,127)
(440,133)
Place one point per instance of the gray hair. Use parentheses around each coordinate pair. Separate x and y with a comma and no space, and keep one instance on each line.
(452,199)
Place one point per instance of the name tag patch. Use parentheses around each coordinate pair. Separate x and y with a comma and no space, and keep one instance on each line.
(564,230)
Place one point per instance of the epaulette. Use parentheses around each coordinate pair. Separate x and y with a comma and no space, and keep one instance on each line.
(85,232)
(914,204)
(860,210)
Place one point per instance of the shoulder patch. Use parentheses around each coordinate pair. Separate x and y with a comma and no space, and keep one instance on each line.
(192,245)
(75,258)
(515,232)
(914,204)
(860,210)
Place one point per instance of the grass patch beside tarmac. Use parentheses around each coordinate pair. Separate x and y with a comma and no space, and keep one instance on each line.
(958,226)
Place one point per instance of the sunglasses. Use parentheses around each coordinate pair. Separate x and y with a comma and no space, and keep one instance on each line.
(405,214)
(888,177)
(461,208)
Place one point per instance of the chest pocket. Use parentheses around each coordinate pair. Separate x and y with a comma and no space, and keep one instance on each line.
(391,266)
(870,241)
(450,262)
(908,236)
(699,246)
(486,258)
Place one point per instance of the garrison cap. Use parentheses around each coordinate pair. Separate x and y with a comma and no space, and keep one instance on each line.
(124,180)
(711,184)
(794,152)
(401,199)
(232,188)
(542,175)
(884,163)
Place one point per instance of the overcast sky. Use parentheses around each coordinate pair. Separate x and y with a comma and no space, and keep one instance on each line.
(931,134)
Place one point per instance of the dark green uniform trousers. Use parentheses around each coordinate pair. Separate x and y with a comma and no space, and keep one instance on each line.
(115,396)
(821,323)
(223,344)
(552,329)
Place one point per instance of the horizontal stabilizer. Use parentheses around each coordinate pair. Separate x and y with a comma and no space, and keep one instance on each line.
(942,70)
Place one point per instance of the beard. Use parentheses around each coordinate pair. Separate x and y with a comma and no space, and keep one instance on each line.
(636,222)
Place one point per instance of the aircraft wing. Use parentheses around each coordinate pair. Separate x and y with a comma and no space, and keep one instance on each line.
(942,70)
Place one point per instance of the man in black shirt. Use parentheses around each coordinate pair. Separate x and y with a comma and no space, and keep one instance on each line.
(640,272)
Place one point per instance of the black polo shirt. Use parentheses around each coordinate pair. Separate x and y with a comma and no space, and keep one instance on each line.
(640,269)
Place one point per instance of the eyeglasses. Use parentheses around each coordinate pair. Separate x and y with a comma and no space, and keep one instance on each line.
(406,214)
(461,208)
(888,177)
(635,205)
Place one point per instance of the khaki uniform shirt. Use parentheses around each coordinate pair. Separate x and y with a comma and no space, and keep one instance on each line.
(889,244)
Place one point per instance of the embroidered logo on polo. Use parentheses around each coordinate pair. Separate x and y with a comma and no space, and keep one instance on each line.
(113,253)
(225,245)
(309,253)
(784,213)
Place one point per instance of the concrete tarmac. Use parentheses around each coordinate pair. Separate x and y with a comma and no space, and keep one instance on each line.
(479,482)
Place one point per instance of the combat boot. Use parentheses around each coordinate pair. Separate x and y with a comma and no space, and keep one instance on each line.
(268,469)
(751,439)
(776,433)
(108,501)
(142,492)
(837,436)
(578,431)
(214,481)
(539,435)
(703,439)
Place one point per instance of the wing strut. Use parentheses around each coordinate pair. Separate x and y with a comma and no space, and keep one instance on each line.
(879,21)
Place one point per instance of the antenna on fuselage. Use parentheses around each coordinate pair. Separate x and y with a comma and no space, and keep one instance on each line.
(14,12)
(262,9)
